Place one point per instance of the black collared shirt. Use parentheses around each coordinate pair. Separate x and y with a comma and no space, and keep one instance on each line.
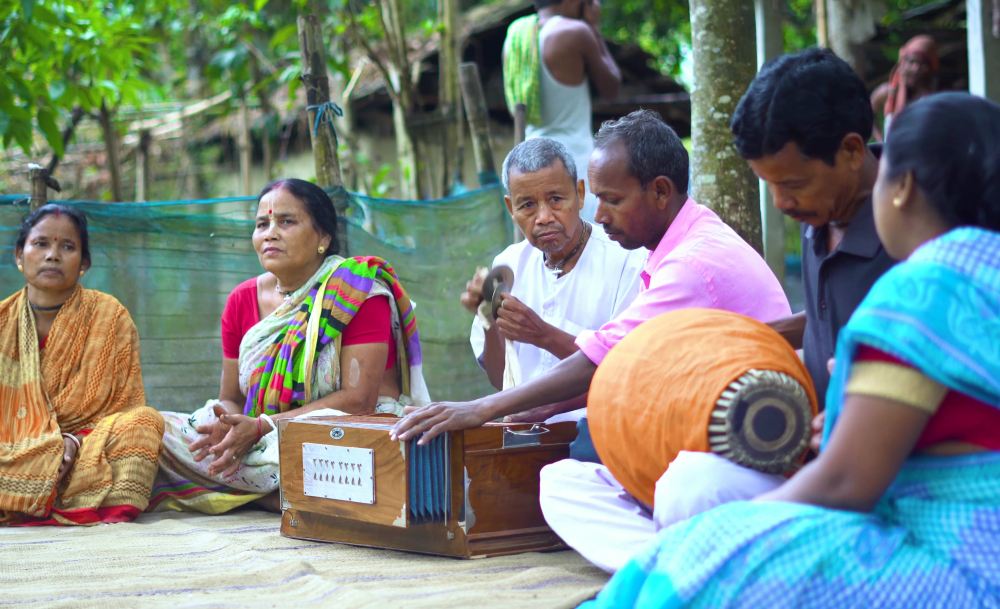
(836,283)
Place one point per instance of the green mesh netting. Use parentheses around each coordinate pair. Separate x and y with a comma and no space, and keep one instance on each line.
(173,265)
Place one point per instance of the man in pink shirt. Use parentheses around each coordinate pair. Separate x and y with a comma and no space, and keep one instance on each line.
(639,173)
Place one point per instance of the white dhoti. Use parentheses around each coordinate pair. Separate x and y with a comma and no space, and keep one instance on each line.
(597,517)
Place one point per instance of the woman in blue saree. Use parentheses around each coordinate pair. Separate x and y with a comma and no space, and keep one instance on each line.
(902,506)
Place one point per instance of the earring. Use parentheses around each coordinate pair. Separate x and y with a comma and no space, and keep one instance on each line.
(20,269)
(321,250)
(82,272)
(898,201)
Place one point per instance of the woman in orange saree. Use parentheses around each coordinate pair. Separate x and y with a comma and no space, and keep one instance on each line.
(78,445)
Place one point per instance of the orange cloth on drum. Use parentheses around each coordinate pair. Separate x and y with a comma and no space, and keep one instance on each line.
(653,394)
(87,382)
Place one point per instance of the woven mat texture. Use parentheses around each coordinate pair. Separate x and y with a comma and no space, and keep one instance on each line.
(241,560)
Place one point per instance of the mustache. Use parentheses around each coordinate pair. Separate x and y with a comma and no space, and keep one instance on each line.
(551,228)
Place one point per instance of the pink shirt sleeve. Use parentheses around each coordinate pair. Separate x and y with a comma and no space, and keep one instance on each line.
(675,284)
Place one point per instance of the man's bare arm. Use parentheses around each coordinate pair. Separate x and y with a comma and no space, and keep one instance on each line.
(792,329)
(570,378)
(493,357)
(600,65)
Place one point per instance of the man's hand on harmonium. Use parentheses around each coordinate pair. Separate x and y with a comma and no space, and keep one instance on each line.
(438,418)
(473,294)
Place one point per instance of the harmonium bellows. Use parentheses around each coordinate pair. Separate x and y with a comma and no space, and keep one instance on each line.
(466,494)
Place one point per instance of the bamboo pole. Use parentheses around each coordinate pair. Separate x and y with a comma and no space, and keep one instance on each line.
(448,90)
(142,172)
(769,45)
(314,77)
(110,133)
(822,31)
(479,127)
(39,194)
(245,149)
(321,133)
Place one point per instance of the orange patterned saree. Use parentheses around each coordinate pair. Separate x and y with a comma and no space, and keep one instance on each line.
(86,381)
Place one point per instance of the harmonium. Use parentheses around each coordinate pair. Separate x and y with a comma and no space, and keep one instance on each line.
(467,494)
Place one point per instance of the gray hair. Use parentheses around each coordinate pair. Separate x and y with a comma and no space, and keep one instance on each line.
(653,147)
(535,154)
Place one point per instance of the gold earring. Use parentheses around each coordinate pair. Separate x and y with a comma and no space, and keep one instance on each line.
(321,250)
(82,272)
(898,201)
(20,269)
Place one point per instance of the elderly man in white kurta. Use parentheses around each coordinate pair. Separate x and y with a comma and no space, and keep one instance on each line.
(568,276)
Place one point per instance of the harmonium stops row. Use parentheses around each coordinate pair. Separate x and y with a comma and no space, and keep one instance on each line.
(465,494)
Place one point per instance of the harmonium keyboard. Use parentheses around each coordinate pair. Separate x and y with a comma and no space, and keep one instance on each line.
(466,494)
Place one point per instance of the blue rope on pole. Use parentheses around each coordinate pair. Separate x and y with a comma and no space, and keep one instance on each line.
(325,110)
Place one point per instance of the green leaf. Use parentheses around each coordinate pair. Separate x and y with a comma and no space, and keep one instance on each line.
(4,123)
(28,9)
(283,34)
(259,4)
(48,126)
(22,134)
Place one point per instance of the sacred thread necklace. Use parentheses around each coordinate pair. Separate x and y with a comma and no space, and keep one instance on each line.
(557,266)
(55,308)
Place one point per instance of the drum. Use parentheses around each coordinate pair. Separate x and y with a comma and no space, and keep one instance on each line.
(700,380)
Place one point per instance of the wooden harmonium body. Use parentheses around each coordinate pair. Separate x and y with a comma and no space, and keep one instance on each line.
(465,494)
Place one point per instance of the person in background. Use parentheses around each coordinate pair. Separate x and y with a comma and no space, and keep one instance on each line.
(78,444)
(803,126)
(901,507)
(914,76)
(549,60)
(568,275)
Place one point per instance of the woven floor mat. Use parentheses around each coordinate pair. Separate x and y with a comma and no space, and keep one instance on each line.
(240,560)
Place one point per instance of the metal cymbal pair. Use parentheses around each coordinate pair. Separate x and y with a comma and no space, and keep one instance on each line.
(499,281)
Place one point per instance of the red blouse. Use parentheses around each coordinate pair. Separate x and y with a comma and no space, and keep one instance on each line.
(958,418)
(371,324)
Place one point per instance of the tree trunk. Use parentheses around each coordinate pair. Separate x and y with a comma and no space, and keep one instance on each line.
(142,173)
(851,23)
(725,61)
(399,75)
(479,126)
(314,77)
(448,90)
(406,151)
(75,117)
(110,133)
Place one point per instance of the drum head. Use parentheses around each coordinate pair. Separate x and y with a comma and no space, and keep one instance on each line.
(762,421)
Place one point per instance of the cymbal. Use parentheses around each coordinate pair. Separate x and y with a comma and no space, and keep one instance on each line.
(499,281)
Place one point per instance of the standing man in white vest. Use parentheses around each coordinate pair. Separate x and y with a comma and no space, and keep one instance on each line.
(549,60)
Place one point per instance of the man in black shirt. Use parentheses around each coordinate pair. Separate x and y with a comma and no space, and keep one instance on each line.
(803,127)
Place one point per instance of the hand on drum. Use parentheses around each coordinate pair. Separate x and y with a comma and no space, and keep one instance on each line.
(473,294)
(438,418)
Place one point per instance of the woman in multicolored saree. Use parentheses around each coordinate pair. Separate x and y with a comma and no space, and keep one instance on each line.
(315,335)
(902,506)
(78,445)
